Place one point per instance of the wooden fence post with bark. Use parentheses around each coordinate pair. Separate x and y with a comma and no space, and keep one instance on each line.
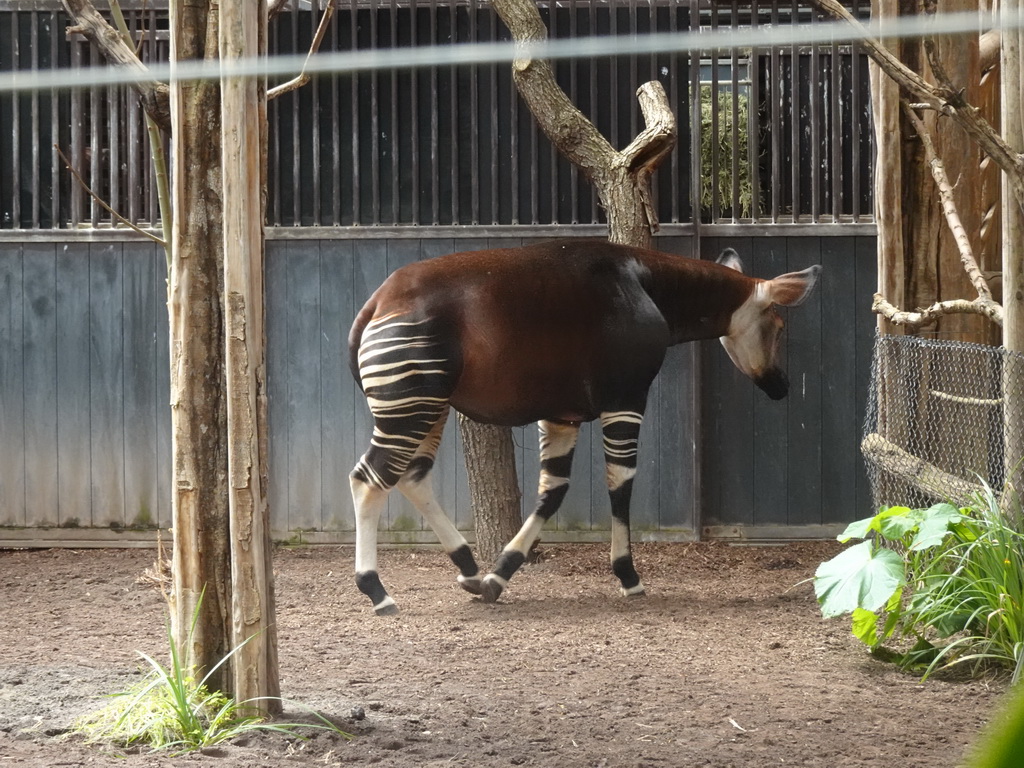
(243,120)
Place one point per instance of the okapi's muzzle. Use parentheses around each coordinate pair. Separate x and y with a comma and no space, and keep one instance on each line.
(774,383)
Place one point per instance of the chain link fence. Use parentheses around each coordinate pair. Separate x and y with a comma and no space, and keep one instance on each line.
(942,417)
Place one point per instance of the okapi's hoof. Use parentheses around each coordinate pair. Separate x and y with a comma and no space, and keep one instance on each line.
(471,584)
(637,591)
(491,588)
(386,607)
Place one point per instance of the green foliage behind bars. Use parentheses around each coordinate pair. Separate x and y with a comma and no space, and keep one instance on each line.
(722,142)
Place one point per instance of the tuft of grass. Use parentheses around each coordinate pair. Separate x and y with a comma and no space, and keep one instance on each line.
(171,710)
(948,581)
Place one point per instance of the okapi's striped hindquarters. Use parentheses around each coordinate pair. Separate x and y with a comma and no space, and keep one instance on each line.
(559,333)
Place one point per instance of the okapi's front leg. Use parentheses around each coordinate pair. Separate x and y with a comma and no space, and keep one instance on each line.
(557,443)
(621,437)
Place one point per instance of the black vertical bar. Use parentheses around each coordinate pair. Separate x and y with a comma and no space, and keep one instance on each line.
(357,127)
(395,130)
(314,86)
(794,126)
(414,120)
(552,150)
(734,139)
(673,95)
(574,183)
(474,121)
(716,187)
(776,110)
(15,127)
(855,123)
(374,122)
(696,123)
(514,165)
(274,118)
(36,180)
(77,118)
(435,139)
(816,120)
(95,165)
(836,149)
(453,132)
(592,12)
(336,217)
(296,100)
(57,120)
(753,108)
(493,85)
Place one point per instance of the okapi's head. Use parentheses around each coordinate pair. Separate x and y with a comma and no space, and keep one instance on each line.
(755,327)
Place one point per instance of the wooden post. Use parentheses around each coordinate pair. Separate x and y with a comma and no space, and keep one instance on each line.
(1013,250)
(243,115)
(201,593)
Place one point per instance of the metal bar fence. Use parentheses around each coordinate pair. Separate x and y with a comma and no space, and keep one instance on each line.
(773,134)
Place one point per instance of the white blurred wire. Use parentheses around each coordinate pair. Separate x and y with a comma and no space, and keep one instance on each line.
(761,36)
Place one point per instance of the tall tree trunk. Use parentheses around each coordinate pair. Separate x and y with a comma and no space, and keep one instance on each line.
(202,565)
(622,181)
(1012,82)
(243,123)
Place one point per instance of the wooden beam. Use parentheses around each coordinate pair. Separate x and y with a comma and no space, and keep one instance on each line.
(917,472)
(243,120)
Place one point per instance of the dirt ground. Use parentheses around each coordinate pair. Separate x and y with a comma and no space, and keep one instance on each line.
(726,662)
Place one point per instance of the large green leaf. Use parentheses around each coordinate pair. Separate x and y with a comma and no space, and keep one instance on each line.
(935,526)
(862,576)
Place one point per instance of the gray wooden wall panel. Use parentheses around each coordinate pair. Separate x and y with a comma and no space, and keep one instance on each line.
(340,445)
(106,384)
(141,405)
(727,456)
(12,386)
(302,374)
(84,391)
(40,366)
(74,433)
(773,466)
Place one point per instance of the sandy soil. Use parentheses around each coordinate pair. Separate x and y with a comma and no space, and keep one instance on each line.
(726,662)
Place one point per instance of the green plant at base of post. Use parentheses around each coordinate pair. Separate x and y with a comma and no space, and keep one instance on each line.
(171,709)
(930,575)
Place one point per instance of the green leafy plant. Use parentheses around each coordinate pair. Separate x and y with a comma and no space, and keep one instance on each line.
(722,143)
(947,581)
(171,709)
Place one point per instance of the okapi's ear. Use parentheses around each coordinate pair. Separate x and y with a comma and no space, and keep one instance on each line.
(729,258)
(791,289)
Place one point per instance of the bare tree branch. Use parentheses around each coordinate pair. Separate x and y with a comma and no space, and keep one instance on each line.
(154,95)
(303,78)
(949,208)
(928,315)
(949,100)
(102,202)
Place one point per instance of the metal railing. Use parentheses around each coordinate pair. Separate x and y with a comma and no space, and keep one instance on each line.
(782,133)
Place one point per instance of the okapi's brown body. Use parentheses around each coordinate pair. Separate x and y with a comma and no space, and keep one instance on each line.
(559,333)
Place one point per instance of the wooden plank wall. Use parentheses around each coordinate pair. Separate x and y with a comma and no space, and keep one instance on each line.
(83,386)
(320,424)
(794,464)
(84,420)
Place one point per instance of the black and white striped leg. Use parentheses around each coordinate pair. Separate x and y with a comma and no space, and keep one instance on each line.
(621,436)
(416,486)
(369,503)
(405,373)
(557,443)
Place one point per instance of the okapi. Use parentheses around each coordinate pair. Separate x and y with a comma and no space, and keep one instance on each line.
(559,333)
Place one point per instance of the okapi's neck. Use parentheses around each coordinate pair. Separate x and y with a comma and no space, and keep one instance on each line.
(696,298)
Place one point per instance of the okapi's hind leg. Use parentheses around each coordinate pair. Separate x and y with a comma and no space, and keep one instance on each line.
(557,443)
(390,462)
(417,487)
(621,436)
